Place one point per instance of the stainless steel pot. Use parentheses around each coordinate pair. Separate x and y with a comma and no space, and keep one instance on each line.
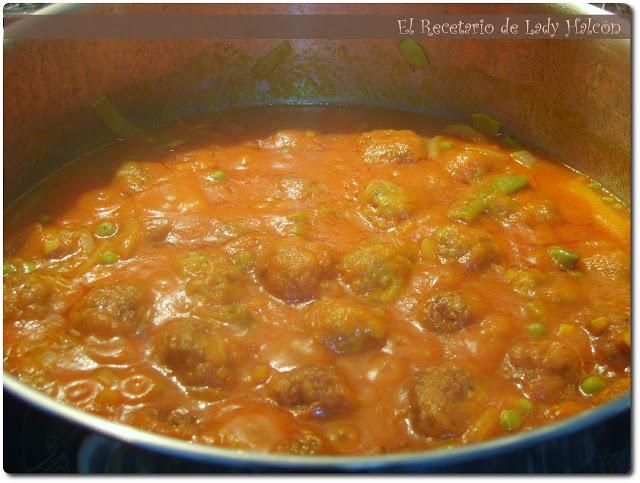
(569,98)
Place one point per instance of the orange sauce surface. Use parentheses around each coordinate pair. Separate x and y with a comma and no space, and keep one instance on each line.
(293,280)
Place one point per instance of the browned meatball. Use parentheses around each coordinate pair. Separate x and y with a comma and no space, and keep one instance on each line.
(385,204)
(345,326)
(445,312)
(111,310)
(306,442)
(466,165)
(27,296)
(212,280)
(318,392)
(471,247)
(195,352)
(292,269)
(547,369)
(376,270)
(132,177)
(391,147)
(445,401)
(614,340)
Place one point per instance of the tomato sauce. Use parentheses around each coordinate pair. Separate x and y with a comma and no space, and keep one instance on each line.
(322,280)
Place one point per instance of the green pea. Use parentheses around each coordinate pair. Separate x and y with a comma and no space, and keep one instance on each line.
(525,404)
(106,229)
(8,269)
(217,176)
(446,145)
(44,218)
(536,329)
(563,258)
(298,217)
(109,257)
(510,419)
(592,385)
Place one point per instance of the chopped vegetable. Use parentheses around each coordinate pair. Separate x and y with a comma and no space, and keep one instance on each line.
(8,269)
(509,142)
(607,217)
(525,404)
(244,259)
(509,183)
(536,309)
(485,124)
(563,258)
(599,324)
(592,385)
(109,257)
(471,207)
(297,217)
(464,132)
(272,59)
(114,120)
(414,53)
(565,329)
(536,329)
(106,229)
(510,419)
(428,251)
(51,245)
(594,185)
(217,176)
(525,158)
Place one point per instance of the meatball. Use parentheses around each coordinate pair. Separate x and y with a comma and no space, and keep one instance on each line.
(614,340)
(445,399)
(318,392)
(111,310)
(131,177)
(525,282)
(466,165)
(471,247)
(385,205)
(445,313)
(391,147)
(546,369)
(304,443)
(376,270)
(291,269)
(197,355)
(345,326)
(211,281)
(533,208)
(27,296)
